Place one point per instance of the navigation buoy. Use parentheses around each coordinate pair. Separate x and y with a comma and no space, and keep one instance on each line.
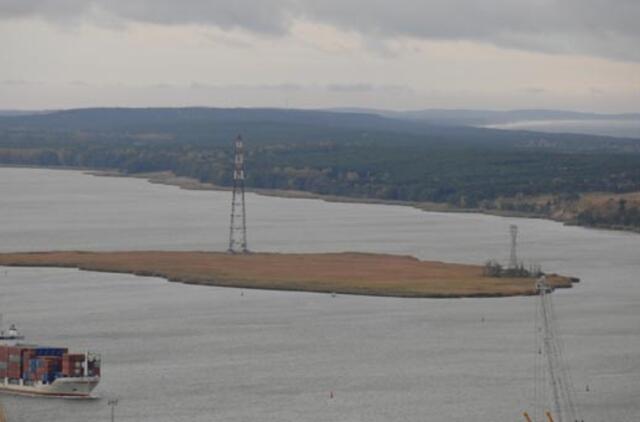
(331,395)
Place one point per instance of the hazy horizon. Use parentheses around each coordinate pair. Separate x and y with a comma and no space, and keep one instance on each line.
(354,109)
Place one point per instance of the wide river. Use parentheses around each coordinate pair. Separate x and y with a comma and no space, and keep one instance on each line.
(174,352)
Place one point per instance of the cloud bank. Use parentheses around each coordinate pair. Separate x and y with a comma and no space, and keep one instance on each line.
(601,28)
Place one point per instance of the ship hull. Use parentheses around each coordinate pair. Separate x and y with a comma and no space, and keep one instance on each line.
(78,387)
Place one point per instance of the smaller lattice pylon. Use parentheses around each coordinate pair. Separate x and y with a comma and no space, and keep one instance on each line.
(513,255)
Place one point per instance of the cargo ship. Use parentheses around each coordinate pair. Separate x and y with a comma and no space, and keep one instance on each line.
(35,370)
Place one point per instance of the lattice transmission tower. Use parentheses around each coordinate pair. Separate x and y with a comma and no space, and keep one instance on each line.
(513,256)
(238,227)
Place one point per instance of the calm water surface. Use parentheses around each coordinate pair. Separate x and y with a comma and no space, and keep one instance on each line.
(187,353)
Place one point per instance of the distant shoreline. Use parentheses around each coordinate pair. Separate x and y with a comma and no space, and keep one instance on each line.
(169,179)
(187,183)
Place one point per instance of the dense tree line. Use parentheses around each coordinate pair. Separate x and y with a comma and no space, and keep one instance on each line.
(463,167)
(459,176)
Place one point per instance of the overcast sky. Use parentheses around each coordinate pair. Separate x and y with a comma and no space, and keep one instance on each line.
(394,54)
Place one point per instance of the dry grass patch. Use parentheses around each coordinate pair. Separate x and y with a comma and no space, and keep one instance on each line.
(351,273)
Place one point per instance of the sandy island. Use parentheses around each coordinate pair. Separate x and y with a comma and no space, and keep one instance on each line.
(346,273)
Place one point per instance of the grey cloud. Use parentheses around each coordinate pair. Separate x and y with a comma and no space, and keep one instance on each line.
(350,87)
(19,82)
(362,88)
(285,87)
(354,88)
(264,16)
(594,27)
(229,41)
(597,27)
(269,16)
(48,9)
(534,90)
(162,86)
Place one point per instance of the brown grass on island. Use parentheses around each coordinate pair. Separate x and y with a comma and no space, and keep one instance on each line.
(347,273)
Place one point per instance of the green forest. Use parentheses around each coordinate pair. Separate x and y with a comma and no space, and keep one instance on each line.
(354,155)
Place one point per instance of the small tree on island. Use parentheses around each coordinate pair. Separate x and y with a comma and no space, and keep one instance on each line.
(492,268)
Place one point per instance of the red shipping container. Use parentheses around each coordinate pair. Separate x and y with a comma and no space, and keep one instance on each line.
(72,365)
(14,371)
(27,355)
(14,355)
(73,356)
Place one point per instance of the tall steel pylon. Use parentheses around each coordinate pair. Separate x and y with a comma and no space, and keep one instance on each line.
(513,256)
(238,226)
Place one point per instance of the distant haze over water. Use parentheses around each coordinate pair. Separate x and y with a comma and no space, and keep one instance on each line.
(621,128)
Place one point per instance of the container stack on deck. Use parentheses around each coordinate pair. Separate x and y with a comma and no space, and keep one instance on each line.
(35,363)
(72,365)
(14,362)
(4,358)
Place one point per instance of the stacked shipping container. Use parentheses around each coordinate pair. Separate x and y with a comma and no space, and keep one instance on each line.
(73,365)
(14,362)
(34,363)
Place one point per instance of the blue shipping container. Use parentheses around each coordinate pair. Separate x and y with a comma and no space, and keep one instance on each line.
(50,351)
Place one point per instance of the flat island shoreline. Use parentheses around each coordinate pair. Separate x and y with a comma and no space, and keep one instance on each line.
(343,273)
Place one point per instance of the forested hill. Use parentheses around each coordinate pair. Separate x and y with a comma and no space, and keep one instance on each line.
(215,126)
(348,154)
